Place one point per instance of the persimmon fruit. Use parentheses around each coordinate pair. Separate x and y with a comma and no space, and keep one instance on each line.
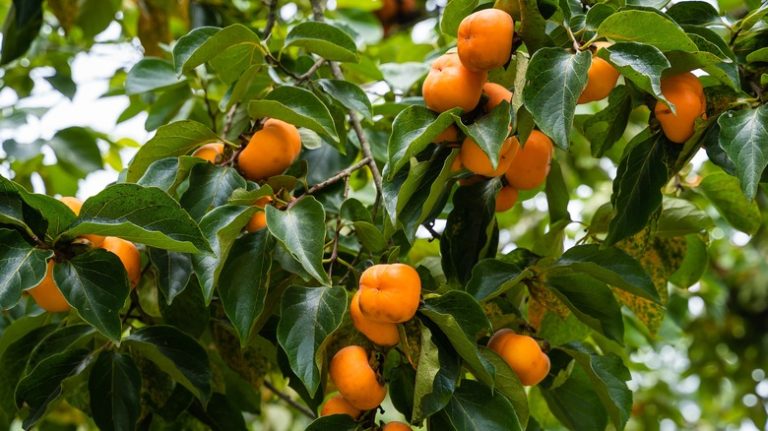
(530,166)
(396,426)
(210,152)
(523,354)
(47,294)
(687,94)
(475,159)
(259,219)
(390,293)
(356,381)
(602,77)
(495,93)
(485,39)
(450,134)
(337,405)
(449,85)
(128,254)
(383,334)
(270,150)
(76,205)
(506,198)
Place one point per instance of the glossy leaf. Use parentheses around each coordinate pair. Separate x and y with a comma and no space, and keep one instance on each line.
(150,74)
(724,193)
(210,186)
(413,130)
(296,106)
(23,266)
(474,407)
(492,277)
(642,64)
(490,131)
(437,373)
(20,28)
(455,11)
(308,315)
(349,95)
(205,44)
(648,27)
(744,137)
(173,272)
(606,127)
(114,386)
(323,39)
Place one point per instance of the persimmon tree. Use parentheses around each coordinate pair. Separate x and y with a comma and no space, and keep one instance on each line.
(475,229)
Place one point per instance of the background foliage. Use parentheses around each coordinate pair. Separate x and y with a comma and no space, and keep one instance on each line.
(684,225)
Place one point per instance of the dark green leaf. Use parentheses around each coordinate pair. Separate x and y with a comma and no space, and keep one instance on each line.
(297,106)
(204,45)
(189,43)
(177,354)
(23,266)
(576,404)
(308,315)
(455,11)
(437,373)
(694,12)
(175,139)
(591,301)
(76,150)
(508,384)
(337,422)
(173,272)
(554,81)
(681,217)
(490,131)
(414,128)
(301,229)
(492,277)
(96,285)
(210,186)
(744,137)
(557,195)
(244,281)
(323,39)
(610,265)
(642,64)
(20,29)
(145,215)
(475,407)
(168,173)
(349,95)
(114,386)
(641,174)
(150,74)
(219,414)
(606,127)
(460,317)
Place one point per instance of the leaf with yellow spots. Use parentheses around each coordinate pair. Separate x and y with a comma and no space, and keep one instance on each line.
(542,300)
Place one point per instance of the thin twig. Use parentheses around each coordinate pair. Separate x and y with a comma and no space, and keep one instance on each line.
(271,19)
(576,45)
(302,409)
(229,119)
(430,228)
(342,174)
(211,114)
(317,13)
(337,233)
(308,74)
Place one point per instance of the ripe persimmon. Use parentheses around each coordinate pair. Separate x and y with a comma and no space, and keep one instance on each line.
(47,294)
(450,134)
(506,198)
(530,166)
(210,152)
(523,354)
(485,39)
(475,159)
(128,254)
(456,165)
(383,334)
(686,93)
(601,79)
(495,94)
(396,426)
(449,85)
(357,382)
(75,205)
(390,293)
(259,219)
(337,405)
(270,151)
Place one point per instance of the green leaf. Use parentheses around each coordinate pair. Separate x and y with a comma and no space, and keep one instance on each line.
(150,74)
(23,266)
(557,195)
(200,46)
(606,127)
(177,354)
(175,139)
(34,213)
(20,28)
(210,186)
(759,56)
(610,265)
(145,215)
(533,26)
(114,386)
(490,131)
(744,137)
(694,263)
(301,230)
(492,277)
(76,151)
(63,338)
(414,128)
(169,172)
(244,281)
(591,301)
(173,272)
(297,106)
(648,27)
(437,372)
(455,11)
(724,193)
(221,227)
(337,422)
(694,12)
(681,217)
(471,232)
(323,39)
(508,384)
(555,79)
(640,63)
(608,376)
(641,174)
(576,404)
(43,384)
(96,285)
(308,315)
(349,95)
(475,407)
(461,318)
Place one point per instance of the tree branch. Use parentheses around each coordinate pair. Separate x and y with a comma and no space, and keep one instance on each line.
(311,71)
(302,409)
(343,174)
(271,18)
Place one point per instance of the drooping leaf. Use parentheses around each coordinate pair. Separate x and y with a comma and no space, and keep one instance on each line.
(323,39)
(177,354)
(189,43)
(301,229)
(145,215)
(492,277)
(414,128)
(201,46)
(349,95)
(150,74)
(744,137)
(555,79)
(437,372)
(607,126)
(640,63)
(114,386)
(508,384)
(20,28)
(490,131)
(576,404)
(23,266)
(725,194)
(308,315)
(169,172)
(210,186)
(297,106)
(173,272)
(244,281)
(474,407)
(76,151)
